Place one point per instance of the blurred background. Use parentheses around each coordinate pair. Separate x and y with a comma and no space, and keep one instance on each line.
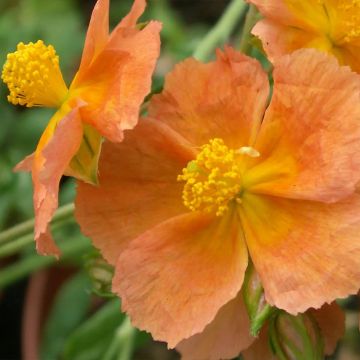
(50,310)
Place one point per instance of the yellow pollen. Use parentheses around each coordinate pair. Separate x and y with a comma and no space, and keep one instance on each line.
(351,15)
(33,76)
(212,179)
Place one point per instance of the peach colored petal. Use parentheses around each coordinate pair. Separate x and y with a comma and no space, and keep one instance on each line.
(302,14)
(306,253)
(139,187)
(50,162)
(224,99)
(136,11)
(224,338)
(143,48)
(174,278)
(310,138)
(99,86)
(260,348)
(25,164)
(118,80)
(97,33)
(278,39)
(331,320)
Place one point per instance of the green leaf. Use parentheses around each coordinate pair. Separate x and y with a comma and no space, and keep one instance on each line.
(69,309)
(91,340)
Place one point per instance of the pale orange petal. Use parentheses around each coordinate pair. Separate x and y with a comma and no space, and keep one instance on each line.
(97,33)
(224,338)
(278,39)
(25,164)
(99,86)
(136,11)
(173,279)
(331,320)
(310,138)
(305,14)
(49,165)
(224,99)
(260,348)
(139,187)
(306,253)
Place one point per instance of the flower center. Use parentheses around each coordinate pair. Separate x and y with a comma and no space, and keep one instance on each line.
(33,76)
(213,179)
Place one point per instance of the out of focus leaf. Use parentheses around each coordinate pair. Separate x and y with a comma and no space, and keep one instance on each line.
(92,339)
(69,309)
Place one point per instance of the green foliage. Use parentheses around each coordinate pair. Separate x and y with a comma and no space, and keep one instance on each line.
(69,309)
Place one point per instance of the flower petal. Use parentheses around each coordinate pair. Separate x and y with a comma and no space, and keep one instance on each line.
(331,320)
(224,338)
(310,138)
(306,253)
(116,83)
(97,34)
(136,11)
(51,159)
(174,278)
(139,187)
(260,348)
(278,39)
(224,99)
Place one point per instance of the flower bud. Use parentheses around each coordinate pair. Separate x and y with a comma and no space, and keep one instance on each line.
(257,307)
(296,337)
(101,274)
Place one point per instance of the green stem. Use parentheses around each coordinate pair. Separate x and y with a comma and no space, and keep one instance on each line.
(12,247)
(32,263)
(121,347)
(222,29)
(250,21)
(25,228)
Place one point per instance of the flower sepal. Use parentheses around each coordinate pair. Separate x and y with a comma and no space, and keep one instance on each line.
(258,309)
(84,165)
(296,337)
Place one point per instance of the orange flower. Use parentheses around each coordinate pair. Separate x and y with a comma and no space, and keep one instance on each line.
(209,178)
(103,100)
(332,26)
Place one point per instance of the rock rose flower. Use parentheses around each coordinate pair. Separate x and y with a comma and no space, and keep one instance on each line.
(328,25)
(214,175)
(103,99)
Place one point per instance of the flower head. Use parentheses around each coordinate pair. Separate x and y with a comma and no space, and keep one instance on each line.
(327,25)
(103,100)
(214,176)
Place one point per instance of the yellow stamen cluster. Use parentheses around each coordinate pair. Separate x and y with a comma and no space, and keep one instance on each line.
(212,179)
(33,76)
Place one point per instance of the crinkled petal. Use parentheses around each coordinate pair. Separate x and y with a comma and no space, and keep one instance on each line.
(139,187)
(174,278)
(331,320)
(117,81)
(136,11)
(224,338)
(278,39)
(25,164)
(51,159)
(306,253)
(294,13)
(223,99)
(310,138)
(97,34)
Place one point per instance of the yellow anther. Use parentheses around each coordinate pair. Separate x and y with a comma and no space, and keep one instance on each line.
(212,179)
(33,76)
